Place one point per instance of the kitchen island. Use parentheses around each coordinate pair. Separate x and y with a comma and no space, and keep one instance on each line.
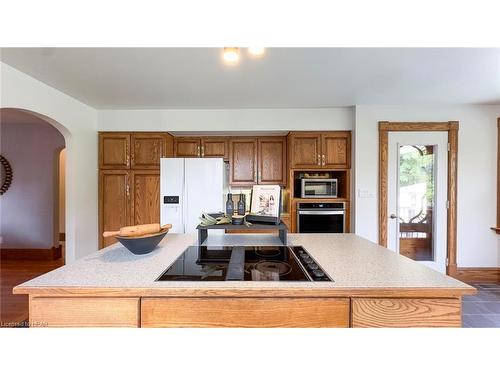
(372,287)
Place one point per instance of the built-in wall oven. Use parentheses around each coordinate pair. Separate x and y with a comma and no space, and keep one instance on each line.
(321,217)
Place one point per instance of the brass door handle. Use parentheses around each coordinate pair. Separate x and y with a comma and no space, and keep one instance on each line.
(319,159)
(323,160)
(198,151)
(202,151)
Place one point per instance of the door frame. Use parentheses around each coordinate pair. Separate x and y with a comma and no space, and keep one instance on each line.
(384,127)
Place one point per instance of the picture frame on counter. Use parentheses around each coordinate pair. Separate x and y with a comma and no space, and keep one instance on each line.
(265,204)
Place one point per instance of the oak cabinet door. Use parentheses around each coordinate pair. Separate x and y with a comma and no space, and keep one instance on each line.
(336,150)
(147,149)
(187,147)
(272,161)
(114,203)
(114,150)
(305,150)
(212,147)
(145,202)
(243,161)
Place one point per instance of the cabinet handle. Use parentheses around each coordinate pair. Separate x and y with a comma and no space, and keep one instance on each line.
(319,159)
(323,160)
(127,189)
(202,151)
(198,151)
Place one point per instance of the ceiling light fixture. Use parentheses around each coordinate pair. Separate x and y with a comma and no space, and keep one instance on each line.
(256,51)
(231,54)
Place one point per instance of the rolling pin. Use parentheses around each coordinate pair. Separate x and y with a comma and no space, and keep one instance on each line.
(137,230)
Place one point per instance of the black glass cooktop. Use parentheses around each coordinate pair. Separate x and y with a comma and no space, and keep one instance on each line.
(249,263)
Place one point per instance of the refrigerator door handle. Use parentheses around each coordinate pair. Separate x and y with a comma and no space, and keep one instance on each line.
(184,197)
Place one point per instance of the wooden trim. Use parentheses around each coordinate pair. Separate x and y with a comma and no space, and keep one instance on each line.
(497,228)
(478,274)
(383,162)
(451,251)
(452,128)
(31,254)
(422,292)
(417,126)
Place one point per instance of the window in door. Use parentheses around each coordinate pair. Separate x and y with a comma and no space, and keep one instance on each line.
(416,197)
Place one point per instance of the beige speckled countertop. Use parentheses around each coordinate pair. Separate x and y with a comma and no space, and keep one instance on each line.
(357,266)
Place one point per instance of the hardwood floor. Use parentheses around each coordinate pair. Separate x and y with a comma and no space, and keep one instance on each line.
(14,308)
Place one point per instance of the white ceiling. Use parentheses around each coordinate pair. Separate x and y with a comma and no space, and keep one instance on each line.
(147,78)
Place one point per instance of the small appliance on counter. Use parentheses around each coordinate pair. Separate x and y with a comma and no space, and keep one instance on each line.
(265,205)
(249,263)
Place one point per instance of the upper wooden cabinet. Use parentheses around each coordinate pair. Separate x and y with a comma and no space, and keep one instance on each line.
(243,161)
(201,147)
(305,150)
(214,147)
(272,161)
(323,150)
(133,150)
(259,160)
(336,150)
(148,148)
(186,147)
(114,150)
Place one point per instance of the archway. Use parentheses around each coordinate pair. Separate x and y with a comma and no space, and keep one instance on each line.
(29,209)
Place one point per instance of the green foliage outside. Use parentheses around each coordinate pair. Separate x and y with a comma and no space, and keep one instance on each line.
(416,166)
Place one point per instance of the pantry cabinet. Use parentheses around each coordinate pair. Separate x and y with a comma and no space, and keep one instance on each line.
(145,197)
(129,179)
(127,198)
(320,150)
(114,203)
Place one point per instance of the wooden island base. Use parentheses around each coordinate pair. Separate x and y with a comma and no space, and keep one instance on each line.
(179,311)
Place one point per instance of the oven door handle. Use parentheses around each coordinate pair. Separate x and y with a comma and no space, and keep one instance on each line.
(321,212)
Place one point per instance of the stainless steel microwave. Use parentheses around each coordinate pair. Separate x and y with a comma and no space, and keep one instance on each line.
(319,188)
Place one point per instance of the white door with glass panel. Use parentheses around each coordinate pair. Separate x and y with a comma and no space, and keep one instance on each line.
(417,196)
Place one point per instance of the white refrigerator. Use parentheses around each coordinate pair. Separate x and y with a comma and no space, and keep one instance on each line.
(189,187)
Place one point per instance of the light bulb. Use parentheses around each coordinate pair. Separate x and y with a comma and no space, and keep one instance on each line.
(256,51)
(231,54)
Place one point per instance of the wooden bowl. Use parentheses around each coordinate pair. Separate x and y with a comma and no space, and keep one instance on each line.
(142,244)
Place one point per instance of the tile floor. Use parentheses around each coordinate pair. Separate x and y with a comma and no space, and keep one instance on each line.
(482,310)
